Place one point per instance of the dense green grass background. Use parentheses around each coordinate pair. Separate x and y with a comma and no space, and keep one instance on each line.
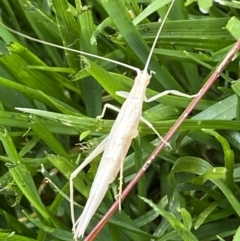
(191,192)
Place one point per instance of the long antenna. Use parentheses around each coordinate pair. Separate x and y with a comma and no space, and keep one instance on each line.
(157,36)
(69,49)
(96,56)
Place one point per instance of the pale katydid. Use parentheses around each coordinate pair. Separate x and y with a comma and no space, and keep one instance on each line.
(115,146)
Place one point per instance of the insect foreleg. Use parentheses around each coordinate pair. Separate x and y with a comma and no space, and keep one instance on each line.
(123,94)
(109,106)
(167,92)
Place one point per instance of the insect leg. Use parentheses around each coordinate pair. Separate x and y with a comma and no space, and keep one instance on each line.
(149,124)
(92,155)
(173,92)
(109,106)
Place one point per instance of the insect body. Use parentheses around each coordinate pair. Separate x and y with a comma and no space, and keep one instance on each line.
(124,129)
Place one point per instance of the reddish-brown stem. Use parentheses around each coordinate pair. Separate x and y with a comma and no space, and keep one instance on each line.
(174,128)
